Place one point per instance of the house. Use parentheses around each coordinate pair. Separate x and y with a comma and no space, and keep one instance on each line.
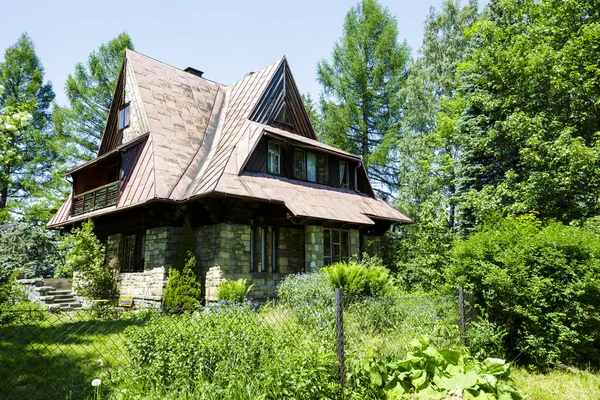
(243,162)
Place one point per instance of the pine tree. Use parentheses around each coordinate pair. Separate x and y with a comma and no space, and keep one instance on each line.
(360,106)
(90,92)
(183,288)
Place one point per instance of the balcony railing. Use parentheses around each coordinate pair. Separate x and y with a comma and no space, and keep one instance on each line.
(95,199)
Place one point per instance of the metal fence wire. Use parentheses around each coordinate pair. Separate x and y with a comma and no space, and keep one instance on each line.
(47,355)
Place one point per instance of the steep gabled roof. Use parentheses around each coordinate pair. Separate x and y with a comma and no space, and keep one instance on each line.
(201,133)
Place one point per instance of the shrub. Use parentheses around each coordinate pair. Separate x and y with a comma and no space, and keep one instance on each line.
(86,254)
(538,284)
(304,288)
(184,288)
(357,279)
(234,291)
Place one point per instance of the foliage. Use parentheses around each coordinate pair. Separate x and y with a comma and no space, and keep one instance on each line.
(436,374)
(11,292)
(359,104)
(90,91)
(357,279)
(31,155)
(84,253)
(530,133)
(560,384)
(183,286)
(29,249)
(211,353)
(304,288)
(234,291)
(538,284)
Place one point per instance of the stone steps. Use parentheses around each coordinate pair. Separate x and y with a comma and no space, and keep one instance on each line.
(58,300)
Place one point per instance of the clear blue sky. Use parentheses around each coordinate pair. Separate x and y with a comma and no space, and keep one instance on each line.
(225,39)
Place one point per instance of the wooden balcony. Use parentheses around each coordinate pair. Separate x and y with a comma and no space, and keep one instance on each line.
(95,199)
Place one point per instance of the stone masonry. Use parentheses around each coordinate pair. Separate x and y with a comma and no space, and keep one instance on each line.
(313,248)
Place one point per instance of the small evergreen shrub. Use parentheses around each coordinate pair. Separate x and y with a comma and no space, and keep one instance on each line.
(184,288)
(234,291)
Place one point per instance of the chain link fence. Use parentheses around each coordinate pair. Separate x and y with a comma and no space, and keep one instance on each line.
(57,355)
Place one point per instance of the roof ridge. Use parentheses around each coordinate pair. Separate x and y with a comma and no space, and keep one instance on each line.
(172,66)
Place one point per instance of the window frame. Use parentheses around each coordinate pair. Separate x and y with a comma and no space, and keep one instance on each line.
(271,142)
(260,251)
(132,262)
(296,152)
(343,237)
(347,174)
(128,119)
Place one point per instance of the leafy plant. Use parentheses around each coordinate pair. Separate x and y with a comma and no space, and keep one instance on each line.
(298,289)
(86,254)
(429,373)
(234,290)
(357,279)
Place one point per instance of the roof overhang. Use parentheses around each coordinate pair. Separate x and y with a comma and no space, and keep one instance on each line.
(109,154)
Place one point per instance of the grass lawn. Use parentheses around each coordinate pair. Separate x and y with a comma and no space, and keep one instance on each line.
(57,357)
(567,384)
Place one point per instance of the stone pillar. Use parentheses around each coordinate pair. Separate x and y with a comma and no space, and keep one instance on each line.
(313,248)
(291,250)
(160,246)
(354,243)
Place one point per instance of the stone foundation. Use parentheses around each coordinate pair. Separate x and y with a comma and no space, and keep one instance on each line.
(313,248)
(143,286)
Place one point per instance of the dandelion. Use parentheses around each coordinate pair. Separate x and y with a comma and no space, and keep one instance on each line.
(96,382)
(100,362)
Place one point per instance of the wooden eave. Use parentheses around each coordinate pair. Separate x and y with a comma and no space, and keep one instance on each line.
(106,156)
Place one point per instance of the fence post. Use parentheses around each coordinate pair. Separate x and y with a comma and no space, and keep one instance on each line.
(339,334)
(461,304)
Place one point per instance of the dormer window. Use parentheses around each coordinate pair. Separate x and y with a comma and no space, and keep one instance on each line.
(124,117)
(274,161)
(311,167)
(299,164)
(344,174)
(283,116)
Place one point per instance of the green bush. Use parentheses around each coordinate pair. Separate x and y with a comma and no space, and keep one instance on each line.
(184,288)
(539,286)
(357,279)
(303,288)
(234,291)
(83,252)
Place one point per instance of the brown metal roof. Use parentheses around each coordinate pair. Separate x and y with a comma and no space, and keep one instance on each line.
(200,137)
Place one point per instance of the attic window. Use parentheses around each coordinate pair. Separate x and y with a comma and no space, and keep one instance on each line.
(344,174)
(124,117)
(274,158)
(283,116)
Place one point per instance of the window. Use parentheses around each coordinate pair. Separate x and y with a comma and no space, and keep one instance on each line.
(299,165)
(132,253)
(283,115)
(274,158)
(311,167)
(322,170)
(343,174)
(113,173)
(124,117)
(261,243)
(336,246)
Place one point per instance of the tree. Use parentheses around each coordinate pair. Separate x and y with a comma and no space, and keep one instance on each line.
(360,106)
(183,286)
(313,113)
(90,91)
(30,153)
(532,84)
(29,249)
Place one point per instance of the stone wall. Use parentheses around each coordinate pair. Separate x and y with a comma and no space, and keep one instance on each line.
(354,243)
(313,248)
(147,287)
(290,250)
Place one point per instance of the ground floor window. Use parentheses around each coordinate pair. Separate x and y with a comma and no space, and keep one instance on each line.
(132,253)
(336,245)
(263,249)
